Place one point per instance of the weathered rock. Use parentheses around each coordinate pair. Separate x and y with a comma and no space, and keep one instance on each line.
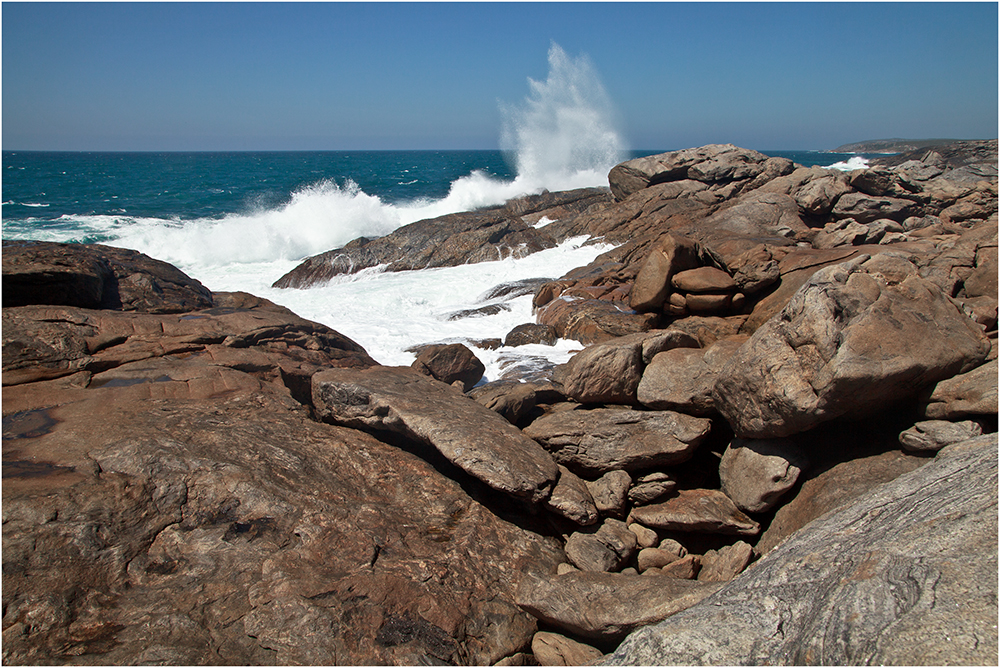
(834,488)
(685,568)
(865,208)
(176,510)
(671,255)
(644,537)
(571,498)
(703,279)
(529,333)
(513,399)
(654,557)
(592,320)
(755,473)
(932,435)
(610,372)
(96,277)
(713,163)
(474,438)
(41,342)
(970,393)
(698,510)
(594,442)
(460,238)
(682,379)
(604,550)
(610,493)
(904,575)
(553,649)
(752,219)
(849,343)
(726,563)
(450,363)
(650,487)
(607,606)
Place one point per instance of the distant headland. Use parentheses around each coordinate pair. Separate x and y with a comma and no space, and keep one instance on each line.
(891,145)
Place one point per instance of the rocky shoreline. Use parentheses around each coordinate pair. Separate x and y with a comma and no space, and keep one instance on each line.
(777,446)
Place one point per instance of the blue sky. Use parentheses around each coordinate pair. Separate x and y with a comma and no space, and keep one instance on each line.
(262,76)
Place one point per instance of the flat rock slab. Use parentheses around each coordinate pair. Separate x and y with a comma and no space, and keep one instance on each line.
(905,575)
(594,442)
(607,606)
(469,435)
(699,510)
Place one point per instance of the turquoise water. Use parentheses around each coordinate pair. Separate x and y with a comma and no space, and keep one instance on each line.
(239,221)
(71,195)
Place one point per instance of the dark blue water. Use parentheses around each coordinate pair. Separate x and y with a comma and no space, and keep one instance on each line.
(42,189)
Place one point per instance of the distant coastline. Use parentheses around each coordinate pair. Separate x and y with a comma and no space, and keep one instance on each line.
(890,145)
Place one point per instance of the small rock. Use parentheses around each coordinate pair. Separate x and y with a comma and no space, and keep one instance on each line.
(725,564)
(653,557)
(605,550)
(699,510)
(755,473)
(449,363)
(644,536)
(932,435)
(685,568)
(610,493)
(553,649)
(571,499)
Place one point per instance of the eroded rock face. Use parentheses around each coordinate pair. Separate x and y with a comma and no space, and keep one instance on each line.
(598,441)
(178,510)
(474,438)
(696,510)
(849,342)
(607,606)
(907,575)
(96,277)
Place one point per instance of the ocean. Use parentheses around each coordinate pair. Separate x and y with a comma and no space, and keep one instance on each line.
(238,221)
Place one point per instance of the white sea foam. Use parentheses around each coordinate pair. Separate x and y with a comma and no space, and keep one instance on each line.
(562,136)
(856,162)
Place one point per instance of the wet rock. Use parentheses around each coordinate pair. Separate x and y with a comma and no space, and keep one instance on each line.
(529,333)
(474,438)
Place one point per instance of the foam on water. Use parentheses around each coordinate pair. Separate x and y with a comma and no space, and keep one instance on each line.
(561,137)
(849,165)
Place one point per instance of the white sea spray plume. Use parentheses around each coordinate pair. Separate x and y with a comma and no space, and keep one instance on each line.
(564,135)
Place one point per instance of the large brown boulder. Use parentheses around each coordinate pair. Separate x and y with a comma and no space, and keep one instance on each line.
(595,442)
(903,575)
(610,372)
(401,400)
(850,342)
(96,277)
(182,508)
(712,163)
